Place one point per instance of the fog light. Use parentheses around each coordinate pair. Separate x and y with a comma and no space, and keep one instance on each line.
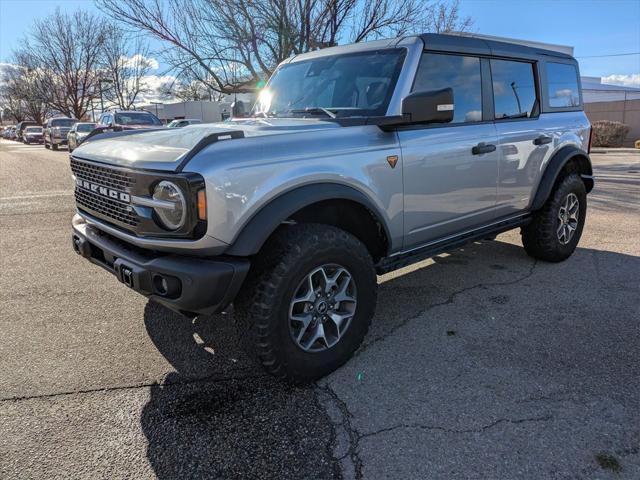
(166,285)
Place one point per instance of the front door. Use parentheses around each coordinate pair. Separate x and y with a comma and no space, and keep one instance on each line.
(450,171)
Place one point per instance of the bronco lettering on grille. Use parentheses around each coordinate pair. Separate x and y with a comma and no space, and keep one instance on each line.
(104,191)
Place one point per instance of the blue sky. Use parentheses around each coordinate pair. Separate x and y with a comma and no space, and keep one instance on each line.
(593,27)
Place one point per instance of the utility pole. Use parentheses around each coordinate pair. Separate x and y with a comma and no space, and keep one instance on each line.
(513,87)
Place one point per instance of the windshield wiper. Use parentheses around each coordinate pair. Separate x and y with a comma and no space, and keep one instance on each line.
(313,110)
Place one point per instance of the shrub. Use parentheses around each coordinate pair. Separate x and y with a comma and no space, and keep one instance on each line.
(608,134)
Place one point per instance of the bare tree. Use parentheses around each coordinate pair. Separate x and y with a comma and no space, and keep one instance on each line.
(230,45)
(125,63)
(19,91)
(445,18)
(63,50)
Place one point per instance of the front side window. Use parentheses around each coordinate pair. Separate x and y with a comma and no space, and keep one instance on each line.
(358,84)
(462,74)
(514,89)
(562,85)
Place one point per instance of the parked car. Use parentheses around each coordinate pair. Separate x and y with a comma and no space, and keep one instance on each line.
(129,120)
(356,160)
(78,133)
(183,122)
(32,134)
(11,135)
(56,130)
(20,128)
(6,132)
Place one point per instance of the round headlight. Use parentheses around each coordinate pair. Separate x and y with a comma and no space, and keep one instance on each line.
(174,216)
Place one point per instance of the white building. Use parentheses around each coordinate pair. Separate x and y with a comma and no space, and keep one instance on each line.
(207,111)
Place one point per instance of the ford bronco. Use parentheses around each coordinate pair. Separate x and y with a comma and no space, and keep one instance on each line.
(355,161)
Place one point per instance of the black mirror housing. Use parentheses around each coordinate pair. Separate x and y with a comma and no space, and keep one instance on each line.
(435,106)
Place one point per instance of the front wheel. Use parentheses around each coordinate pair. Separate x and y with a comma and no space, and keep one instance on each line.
(308,302)
(555,231)
(54,146)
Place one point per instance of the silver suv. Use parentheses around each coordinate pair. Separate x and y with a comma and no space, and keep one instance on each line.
(355,161)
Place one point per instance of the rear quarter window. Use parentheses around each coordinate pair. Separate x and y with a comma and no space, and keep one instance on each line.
(562,85)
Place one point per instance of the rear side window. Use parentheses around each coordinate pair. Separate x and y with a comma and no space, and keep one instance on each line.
(462,74)
(514,89)
(562,85)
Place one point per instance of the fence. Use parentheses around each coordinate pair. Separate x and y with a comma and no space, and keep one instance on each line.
(615,105)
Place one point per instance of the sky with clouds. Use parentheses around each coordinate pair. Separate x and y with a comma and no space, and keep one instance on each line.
(595,28)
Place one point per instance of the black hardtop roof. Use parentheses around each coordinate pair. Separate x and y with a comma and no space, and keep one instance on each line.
(482,46)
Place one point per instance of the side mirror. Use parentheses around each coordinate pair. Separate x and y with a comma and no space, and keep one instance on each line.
(434,106)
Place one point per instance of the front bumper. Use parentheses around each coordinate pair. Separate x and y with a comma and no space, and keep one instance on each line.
(188,285)
(58,141)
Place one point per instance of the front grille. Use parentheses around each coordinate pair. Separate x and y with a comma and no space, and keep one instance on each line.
(100,205)
(105,176)
(110,208)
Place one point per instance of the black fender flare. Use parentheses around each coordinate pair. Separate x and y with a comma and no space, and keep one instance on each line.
(263,223)
(554,167)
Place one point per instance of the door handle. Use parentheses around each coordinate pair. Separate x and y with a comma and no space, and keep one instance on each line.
(542,140)
(483,148)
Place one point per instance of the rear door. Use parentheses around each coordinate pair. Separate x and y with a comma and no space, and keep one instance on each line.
(524,145)
(449,184)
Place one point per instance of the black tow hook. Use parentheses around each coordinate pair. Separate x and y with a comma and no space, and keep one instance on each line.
(127,276)
(81,246)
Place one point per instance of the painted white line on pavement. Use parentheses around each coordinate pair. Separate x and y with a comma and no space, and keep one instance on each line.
(28,196)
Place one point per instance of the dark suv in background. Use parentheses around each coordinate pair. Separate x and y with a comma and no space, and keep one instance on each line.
(56,130)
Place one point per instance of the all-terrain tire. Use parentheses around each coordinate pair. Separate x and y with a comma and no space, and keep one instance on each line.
(262,308)
(541,238)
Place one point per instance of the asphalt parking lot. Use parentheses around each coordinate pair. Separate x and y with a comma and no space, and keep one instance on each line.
(481,363)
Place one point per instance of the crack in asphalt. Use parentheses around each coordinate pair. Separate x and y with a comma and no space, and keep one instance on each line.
(356,437)
(131,387)
(450,299)
(458,431)
(352,433)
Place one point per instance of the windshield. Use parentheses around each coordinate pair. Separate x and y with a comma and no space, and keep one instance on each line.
(33,129)
(85,127)
(358,84)
(136,118)
(63,122)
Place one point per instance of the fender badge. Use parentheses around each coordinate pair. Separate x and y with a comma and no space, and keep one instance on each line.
(392,159)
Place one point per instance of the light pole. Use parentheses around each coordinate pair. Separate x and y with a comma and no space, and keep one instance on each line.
(156,104)
(513,87)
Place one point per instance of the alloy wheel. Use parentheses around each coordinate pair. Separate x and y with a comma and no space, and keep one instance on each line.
(568,218)
(322,308)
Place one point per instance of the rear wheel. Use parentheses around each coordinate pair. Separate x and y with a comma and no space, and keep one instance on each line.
(555,231)
(308,302)
(46,145)
(54,146)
